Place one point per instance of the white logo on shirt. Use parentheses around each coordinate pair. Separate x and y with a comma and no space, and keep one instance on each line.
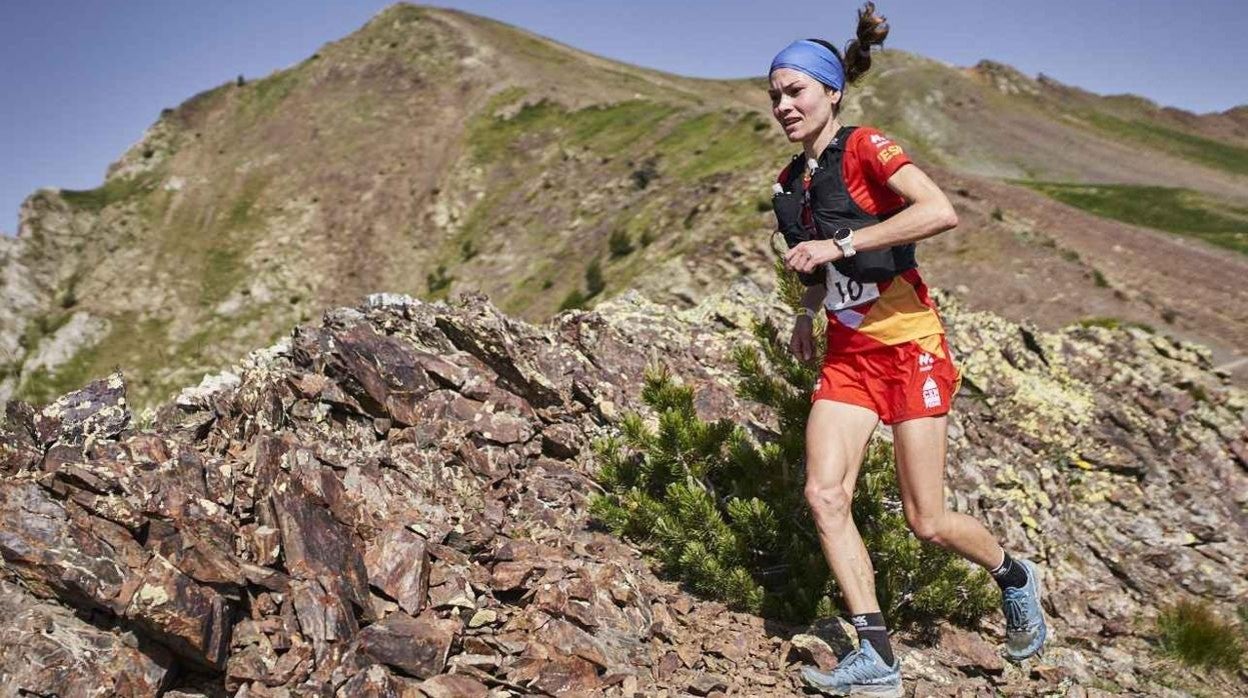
(925,361)
(931,393)
(878,140)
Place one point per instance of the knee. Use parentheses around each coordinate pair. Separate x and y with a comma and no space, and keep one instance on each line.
(927,528)
(830,503)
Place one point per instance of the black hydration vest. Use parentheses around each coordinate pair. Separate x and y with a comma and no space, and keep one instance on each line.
(835,209)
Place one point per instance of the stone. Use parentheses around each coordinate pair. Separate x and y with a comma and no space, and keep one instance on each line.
(969,652)
(705,684)
(398,563)
(97,411)
(47,650)
(316,546)
(453,686)
(810,649)
(191,619)
(485,616)
(416,646)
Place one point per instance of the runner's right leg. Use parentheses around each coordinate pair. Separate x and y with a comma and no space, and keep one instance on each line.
(836,439)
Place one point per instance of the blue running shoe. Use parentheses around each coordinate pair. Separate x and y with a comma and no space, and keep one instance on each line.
(860,673)
(1025,630)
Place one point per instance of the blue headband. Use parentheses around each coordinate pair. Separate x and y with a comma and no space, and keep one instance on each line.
(813,59)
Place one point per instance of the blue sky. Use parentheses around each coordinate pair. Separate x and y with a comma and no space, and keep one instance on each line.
(80,80)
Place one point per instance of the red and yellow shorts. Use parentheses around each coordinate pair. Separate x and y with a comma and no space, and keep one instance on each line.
(905,381)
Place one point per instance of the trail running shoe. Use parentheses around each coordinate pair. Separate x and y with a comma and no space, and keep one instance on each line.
(860,673)
(1025,630)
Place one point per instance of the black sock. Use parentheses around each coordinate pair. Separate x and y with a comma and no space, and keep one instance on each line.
(1009,573)
(870,627)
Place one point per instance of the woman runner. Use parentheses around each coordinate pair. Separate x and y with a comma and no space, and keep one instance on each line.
(851,207)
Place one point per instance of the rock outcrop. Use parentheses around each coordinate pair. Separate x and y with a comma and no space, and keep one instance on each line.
(393,503)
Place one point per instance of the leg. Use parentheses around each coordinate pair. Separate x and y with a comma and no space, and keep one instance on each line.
(920,448)
(836,437)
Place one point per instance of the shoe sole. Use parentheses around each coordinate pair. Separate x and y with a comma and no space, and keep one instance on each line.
(876,691)
(859,690)
(1044,625)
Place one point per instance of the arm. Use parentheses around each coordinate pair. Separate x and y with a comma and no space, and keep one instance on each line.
(802,343)
(929,213)
(812,299)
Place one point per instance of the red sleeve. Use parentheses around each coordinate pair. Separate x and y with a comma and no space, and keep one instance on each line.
(878,155)
(872,158)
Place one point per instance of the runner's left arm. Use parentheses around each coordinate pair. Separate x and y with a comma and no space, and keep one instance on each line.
(928,214)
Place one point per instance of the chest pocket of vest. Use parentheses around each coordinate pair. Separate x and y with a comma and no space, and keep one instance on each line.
(833,208)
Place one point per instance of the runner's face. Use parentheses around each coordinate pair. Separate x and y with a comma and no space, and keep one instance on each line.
(802,105)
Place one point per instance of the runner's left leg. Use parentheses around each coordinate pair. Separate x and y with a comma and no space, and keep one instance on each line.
(919,445)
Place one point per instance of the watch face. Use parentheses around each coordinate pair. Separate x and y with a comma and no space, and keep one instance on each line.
(842,234)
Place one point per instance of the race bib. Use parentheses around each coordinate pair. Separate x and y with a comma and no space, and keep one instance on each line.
(844,292)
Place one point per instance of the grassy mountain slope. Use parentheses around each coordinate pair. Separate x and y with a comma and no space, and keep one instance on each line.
(433,152)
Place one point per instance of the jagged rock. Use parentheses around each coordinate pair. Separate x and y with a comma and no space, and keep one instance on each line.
(416,646)
(969,652)
(46,650)
(97,411)
(189,618)
(705,684)
(56,556)
(398,564)
(453,686)
(809,649)
(318,547)
(377,682)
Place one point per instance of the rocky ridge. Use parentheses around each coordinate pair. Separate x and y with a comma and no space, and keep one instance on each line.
(392,503)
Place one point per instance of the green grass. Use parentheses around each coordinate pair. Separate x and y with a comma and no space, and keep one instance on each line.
(1206,151)
(605,130)
(712,143)
(134,346)
(112,191)
(1172,209)
(262,96)
(1192,633)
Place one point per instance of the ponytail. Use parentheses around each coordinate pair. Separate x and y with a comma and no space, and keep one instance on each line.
(872,30)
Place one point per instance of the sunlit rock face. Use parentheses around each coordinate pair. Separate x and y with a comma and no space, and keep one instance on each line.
(393,502)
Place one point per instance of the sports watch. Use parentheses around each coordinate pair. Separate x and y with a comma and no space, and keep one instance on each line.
(844,239)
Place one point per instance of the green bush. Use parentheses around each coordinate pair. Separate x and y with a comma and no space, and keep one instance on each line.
(727,515)
(594,283)
(574,299)
(619,244)
(1192,633)
(438,280)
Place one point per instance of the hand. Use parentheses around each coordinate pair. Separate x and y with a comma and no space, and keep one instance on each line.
(811,255)
(802,343)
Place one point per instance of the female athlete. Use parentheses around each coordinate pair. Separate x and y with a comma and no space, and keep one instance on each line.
(851,206)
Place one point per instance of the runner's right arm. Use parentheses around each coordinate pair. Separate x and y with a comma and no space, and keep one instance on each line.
(802,343)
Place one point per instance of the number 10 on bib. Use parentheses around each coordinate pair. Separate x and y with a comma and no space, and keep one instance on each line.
(844,292)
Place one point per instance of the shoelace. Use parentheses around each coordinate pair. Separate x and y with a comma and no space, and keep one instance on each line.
(862,667)
(1016,611)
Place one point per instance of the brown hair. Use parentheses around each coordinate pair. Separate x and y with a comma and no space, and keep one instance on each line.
(872,31)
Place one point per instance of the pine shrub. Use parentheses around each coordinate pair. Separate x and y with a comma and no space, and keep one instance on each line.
(619,244)
(725,512)
(594,283)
